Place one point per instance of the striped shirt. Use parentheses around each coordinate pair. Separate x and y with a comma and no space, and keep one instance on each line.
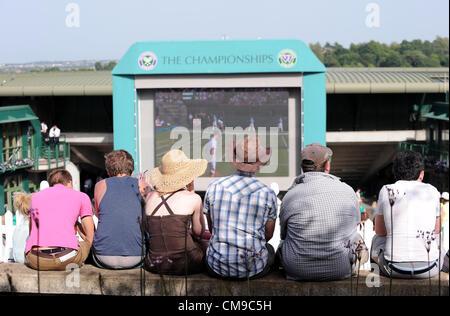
(319,216)
(239,207)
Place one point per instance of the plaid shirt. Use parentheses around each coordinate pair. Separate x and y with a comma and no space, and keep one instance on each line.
(239,206)
(319,215)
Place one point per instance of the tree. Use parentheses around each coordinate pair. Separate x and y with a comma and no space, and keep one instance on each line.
(329,60)
(317,50)
(415,58)
(52,69)
(415,53)
(98,66)
(109,66)
(393,59)
(433,61)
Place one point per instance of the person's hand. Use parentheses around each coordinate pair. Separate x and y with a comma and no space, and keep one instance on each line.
(86,229)
(144,186)
(80,230)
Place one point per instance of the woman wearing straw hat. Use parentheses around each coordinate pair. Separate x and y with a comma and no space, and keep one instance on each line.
(173,212)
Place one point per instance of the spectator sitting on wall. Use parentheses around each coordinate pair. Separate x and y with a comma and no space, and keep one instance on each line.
(174,218)
(241,213)
(319,217)
(22,203)
(54,212)
(407,218)
(118,241)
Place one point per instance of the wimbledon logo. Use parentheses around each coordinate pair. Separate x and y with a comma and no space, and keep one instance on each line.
(287,58)
(147,61)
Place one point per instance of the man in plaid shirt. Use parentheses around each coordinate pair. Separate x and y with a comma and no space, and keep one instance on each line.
(319,216)
(241,213)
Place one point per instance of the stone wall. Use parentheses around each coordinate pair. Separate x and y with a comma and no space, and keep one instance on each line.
(89,280)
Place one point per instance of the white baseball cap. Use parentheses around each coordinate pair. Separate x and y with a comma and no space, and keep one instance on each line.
(444,195)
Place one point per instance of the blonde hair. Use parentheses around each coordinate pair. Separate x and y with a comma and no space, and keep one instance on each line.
(22,203)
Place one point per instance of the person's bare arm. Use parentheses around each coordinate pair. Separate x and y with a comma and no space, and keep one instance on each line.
(208,219)
(99,191)
(438,225)
(86,229)
(270,228)
(198,225)
(380,226)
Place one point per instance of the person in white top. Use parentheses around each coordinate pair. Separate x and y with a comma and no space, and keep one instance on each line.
(54,134)
(44,128)
(444,220)
(407,222)
(275,240)
(44,132)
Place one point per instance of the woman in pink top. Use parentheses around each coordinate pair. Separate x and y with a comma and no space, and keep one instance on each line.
(54,213)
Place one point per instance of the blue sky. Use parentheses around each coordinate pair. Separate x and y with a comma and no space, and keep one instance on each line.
(37,30)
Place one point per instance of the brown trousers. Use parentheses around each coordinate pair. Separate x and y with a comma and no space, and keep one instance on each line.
(55,262)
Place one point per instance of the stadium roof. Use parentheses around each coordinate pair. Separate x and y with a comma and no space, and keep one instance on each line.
(338,80)
(387,80)
(58,83)
(16,113)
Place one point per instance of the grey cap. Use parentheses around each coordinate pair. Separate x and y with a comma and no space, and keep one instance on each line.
(316,153)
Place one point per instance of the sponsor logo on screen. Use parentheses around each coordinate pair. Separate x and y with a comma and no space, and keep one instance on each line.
(147,61)
(287,58)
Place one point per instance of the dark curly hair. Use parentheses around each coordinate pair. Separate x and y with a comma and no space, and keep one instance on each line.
(407,166)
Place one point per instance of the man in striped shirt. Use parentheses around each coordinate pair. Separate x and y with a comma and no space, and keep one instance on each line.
(241,213)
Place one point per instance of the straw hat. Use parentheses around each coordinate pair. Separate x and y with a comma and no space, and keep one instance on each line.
(176,171)
(249,155)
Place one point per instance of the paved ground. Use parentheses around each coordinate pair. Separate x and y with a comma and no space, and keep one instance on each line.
(17,278)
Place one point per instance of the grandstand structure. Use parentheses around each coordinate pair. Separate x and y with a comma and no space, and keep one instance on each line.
(371,113)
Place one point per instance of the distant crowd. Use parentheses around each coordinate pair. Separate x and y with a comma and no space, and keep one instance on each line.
(248,96)
(164,226)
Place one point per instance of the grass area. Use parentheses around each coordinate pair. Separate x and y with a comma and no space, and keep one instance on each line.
(164,144)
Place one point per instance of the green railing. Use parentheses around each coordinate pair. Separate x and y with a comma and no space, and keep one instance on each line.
(53,153)
(12,159)
(404,146)
(56,154)
(427,151)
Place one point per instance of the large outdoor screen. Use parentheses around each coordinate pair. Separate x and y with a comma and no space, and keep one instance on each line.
(205,122)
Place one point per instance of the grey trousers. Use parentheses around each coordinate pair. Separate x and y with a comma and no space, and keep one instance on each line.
(116,262)
(402,270)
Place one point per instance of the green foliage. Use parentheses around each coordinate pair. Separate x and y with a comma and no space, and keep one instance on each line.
(52,69)
(109,66)
(98,66)
(415,53)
